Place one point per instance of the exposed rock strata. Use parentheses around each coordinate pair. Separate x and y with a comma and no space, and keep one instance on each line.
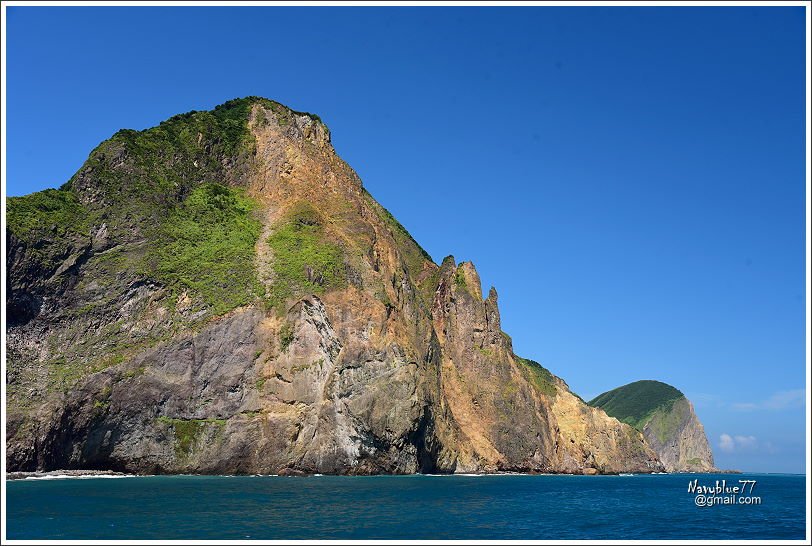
(685,447)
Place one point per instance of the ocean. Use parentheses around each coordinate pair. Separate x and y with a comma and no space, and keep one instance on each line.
(408,507)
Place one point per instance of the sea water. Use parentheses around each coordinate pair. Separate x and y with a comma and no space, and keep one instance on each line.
(408,507)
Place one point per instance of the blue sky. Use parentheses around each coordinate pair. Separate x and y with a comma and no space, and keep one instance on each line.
(630,179)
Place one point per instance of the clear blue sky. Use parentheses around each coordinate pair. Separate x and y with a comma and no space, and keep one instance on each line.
(630,179)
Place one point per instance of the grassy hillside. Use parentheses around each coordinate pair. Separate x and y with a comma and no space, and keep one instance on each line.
(635,403)
(538,375)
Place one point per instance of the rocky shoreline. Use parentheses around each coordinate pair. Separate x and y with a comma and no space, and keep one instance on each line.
(62,474)
(56,474)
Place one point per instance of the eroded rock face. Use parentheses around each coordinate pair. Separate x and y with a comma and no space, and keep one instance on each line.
(382,363)
(679,439)
(588,438)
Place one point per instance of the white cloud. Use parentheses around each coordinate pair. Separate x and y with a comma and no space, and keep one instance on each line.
(745,442)
(780,400)
(786,399)
(729,444)
(726,443)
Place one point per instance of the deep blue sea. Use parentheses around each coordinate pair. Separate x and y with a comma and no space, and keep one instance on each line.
(402,507)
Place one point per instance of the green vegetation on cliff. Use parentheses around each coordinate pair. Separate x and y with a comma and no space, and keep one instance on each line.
(305,259)
(206,245)
(539,376)
(635,403)
(165,186)
(45,213)
(188,431)
(459,280)
(144,173)
(52,223)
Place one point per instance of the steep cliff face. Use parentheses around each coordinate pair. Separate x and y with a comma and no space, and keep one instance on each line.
(219,294)
(667,420)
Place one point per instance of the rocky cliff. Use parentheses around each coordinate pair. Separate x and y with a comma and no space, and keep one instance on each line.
(667,420)
(220,294)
